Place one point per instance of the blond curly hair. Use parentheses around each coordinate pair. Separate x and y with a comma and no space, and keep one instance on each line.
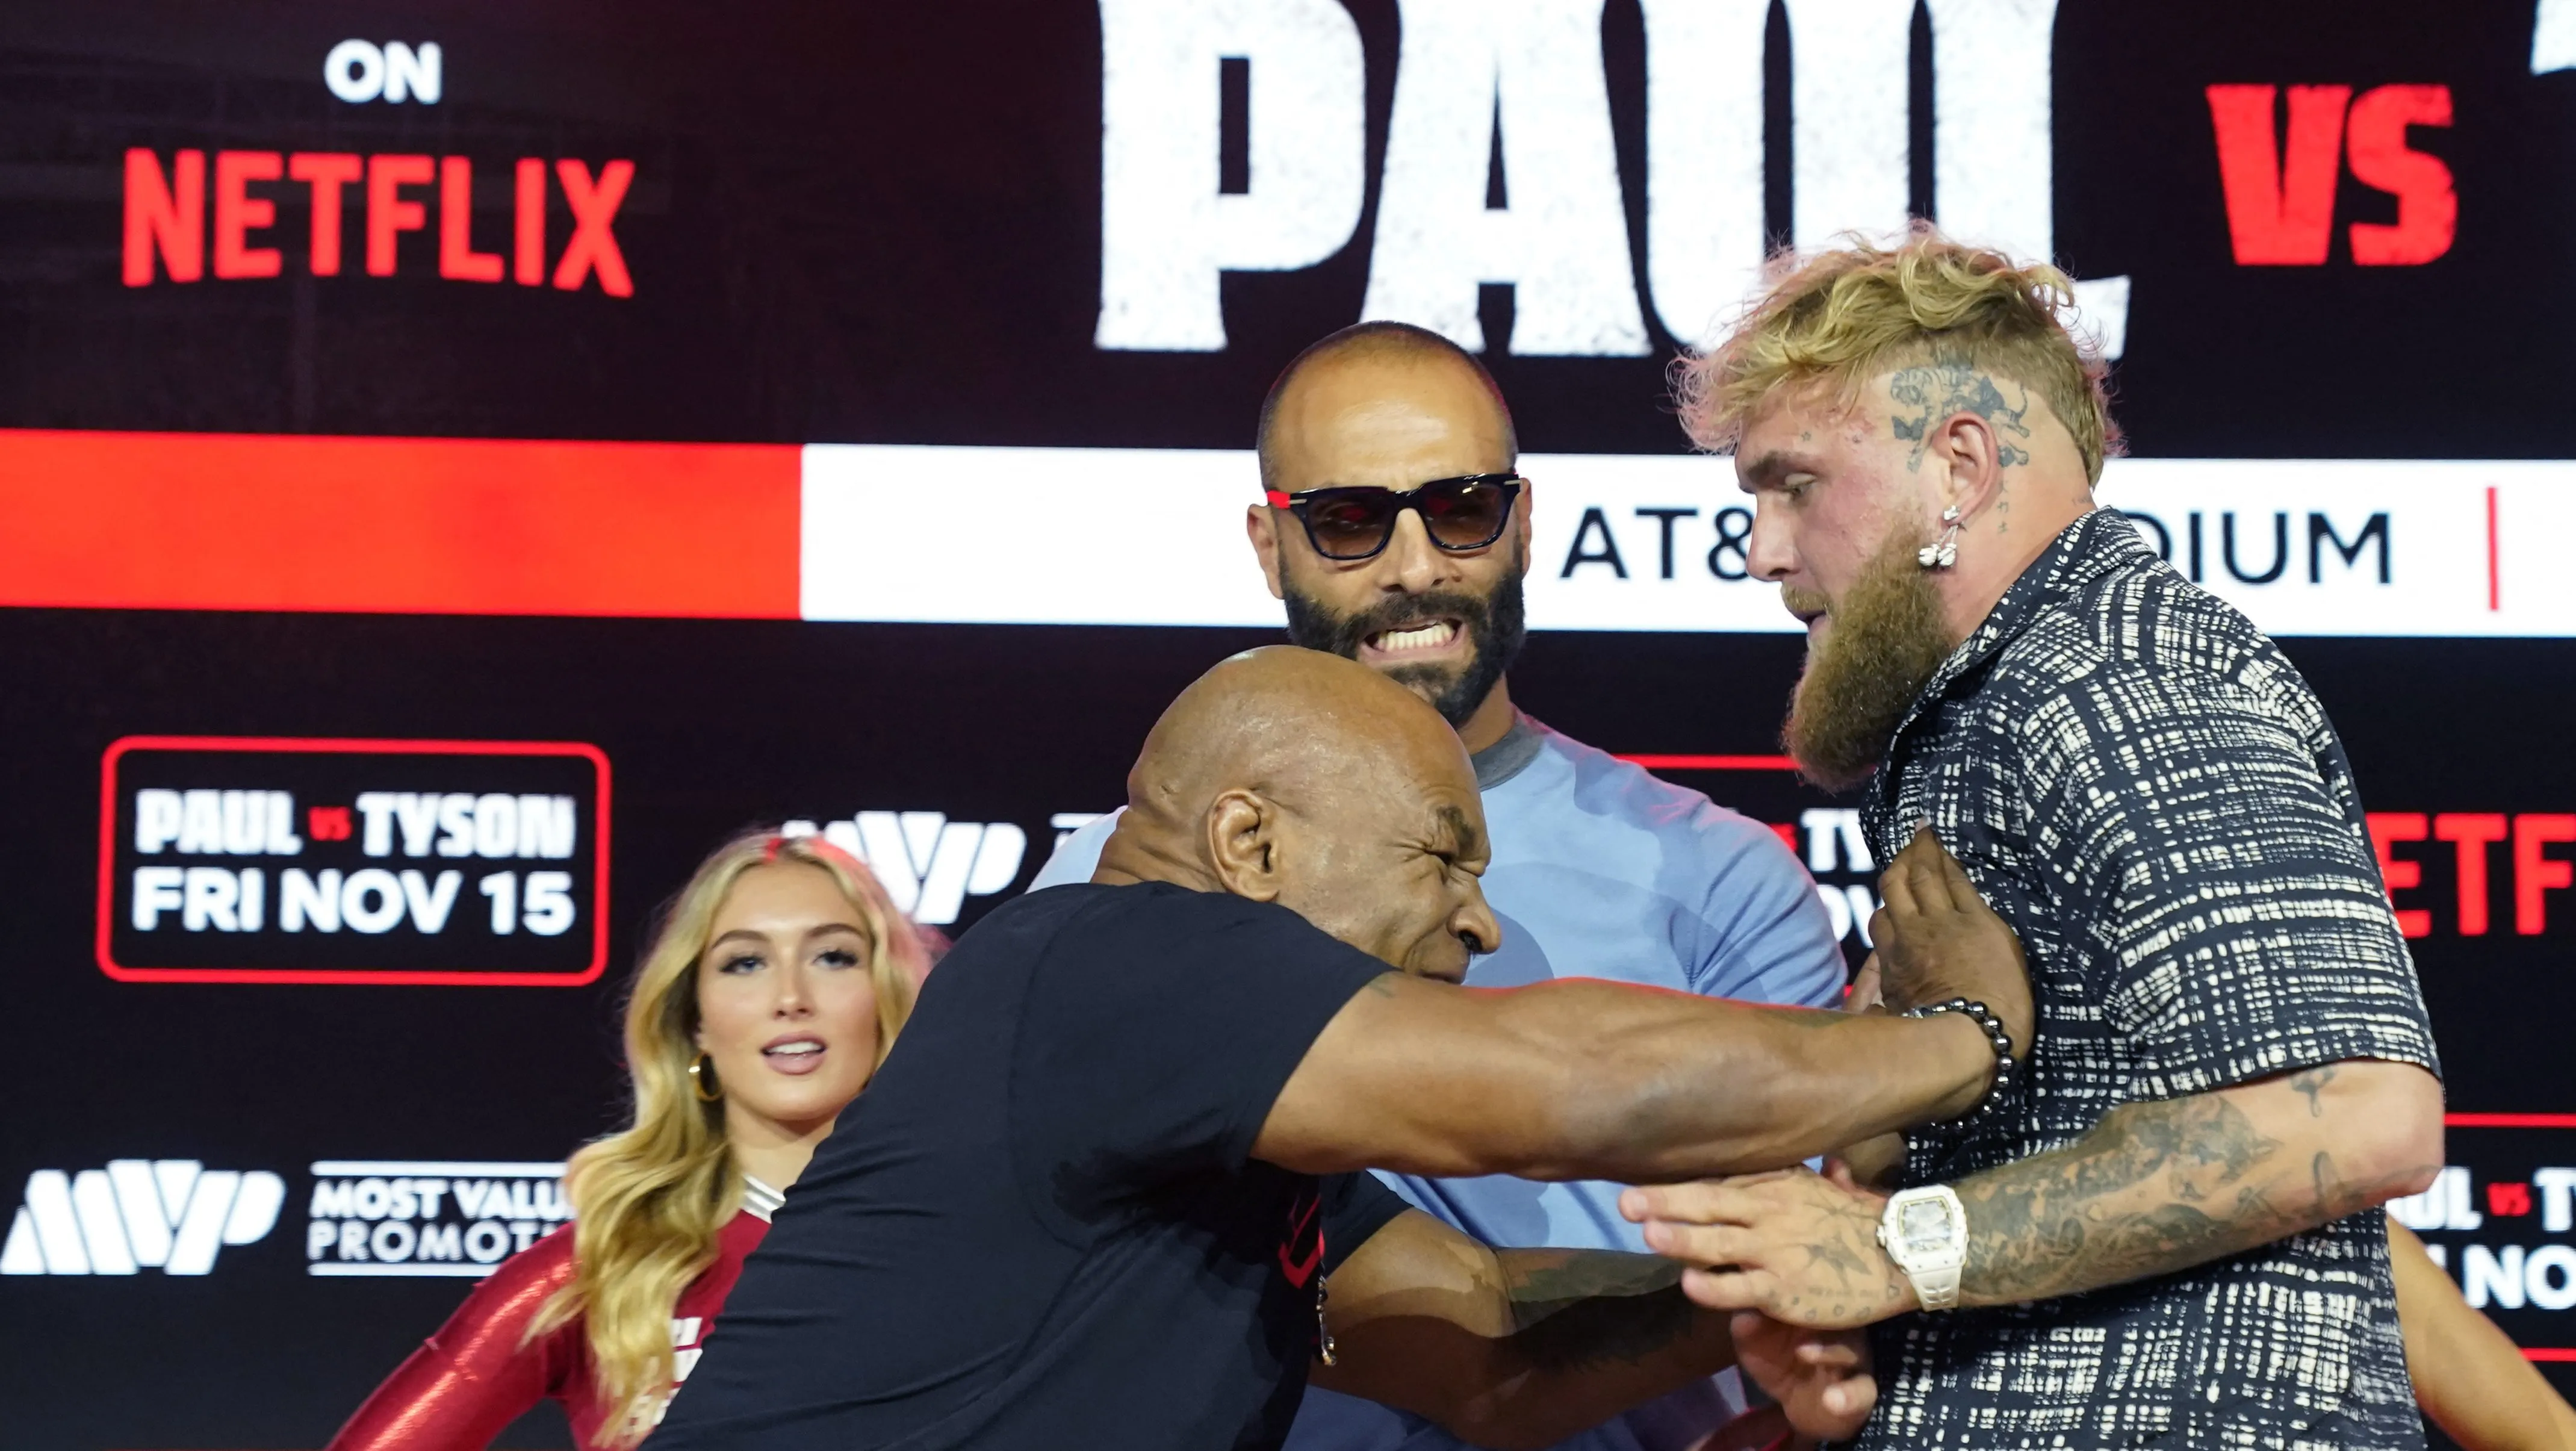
(1840,318)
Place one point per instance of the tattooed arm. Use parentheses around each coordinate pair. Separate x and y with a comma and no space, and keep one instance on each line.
(2154,1188)
(1511,1348)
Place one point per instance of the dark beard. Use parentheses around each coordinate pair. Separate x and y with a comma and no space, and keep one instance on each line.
(1889,636)
(1494,627)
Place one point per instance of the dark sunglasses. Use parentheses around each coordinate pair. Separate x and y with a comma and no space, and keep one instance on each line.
(1355,522)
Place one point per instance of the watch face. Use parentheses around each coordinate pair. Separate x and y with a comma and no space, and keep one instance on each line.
(1924,1226)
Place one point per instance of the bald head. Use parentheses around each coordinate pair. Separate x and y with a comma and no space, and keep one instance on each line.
(1293,776)
(1368,359)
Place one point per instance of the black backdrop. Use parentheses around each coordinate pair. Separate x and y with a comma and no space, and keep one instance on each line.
(883,225)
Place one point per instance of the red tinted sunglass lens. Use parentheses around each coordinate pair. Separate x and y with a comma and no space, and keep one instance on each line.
(1464,513)
(1348,526)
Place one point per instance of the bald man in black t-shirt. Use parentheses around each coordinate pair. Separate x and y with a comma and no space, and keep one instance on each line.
(1095,1195)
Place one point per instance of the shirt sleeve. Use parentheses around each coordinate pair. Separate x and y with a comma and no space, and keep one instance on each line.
(480,1371)
(1157,1032)
(1770,937)
(2228,883)
(1355,1207)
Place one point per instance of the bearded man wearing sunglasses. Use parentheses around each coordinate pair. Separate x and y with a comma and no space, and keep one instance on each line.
(1395,528)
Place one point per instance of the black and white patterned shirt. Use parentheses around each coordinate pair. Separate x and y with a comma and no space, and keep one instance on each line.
(2150,794)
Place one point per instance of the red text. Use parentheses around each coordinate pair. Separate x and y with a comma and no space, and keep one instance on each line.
(2281,189)
(2471,836)
(166,217)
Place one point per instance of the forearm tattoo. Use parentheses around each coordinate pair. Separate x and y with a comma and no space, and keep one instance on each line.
(2154,1188)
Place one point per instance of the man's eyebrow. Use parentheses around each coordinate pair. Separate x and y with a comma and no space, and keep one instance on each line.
(1767,471)
(1463,835)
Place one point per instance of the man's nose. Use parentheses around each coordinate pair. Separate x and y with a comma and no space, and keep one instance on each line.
(1416,563)
(1475,923)
(1770,552)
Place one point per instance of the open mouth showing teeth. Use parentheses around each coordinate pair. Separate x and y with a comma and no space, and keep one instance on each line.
(1429,636)
(793,1050)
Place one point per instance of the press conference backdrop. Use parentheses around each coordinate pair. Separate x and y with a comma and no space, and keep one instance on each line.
(459,461)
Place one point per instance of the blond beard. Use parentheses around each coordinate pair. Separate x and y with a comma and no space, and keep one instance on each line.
(1889,634)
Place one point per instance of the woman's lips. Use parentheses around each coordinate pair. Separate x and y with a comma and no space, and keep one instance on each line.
(795,1057)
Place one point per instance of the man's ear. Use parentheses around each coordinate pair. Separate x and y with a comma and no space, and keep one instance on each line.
(1243,845)
(1528,507)
(1261,526)
(1973,453)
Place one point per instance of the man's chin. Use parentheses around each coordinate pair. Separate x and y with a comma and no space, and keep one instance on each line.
(1423,679)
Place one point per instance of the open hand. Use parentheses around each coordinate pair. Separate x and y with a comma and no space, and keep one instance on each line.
(1936,939)
(1792,1244)
(1820,1377)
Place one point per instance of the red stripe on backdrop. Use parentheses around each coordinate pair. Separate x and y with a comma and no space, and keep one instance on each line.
(400,525)
(1710,763)
(2510,1120)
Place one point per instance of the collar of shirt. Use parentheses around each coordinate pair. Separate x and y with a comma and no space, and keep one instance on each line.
(2092,546)
(1509,756)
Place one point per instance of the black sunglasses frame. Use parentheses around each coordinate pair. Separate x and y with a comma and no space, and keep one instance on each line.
(1298,503)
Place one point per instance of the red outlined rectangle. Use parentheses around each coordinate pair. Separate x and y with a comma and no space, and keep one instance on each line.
(398,977)
(398,525)
(2557,1354)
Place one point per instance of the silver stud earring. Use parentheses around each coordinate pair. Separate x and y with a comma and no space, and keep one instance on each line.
(1945,552)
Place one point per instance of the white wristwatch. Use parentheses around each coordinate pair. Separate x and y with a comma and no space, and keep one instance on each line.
(1926,1232)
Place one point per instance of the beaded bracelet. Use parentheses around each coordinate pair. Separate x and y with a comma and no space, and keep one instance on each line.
(1977,1013)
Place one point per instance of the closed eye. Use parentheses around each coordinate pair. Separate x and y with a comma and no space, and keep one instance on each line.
(837,957)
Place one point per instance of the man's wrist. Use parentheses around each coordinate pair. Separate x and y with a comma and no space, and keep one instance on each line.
(1906,1301)
(1970,1055)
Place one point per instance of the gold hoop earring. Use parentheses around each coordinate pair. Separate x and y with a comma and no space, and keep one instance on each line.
(702,1079)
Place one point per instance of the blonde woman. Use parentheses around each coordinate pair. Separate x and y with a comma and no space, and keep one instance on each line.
(776,984)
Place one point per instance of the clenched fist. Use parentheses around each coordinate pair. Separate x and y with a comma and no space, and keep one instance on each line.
(1936,939)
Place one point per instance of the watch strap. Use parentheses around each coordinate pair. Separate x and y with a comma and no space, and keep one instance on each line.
(1936,1289)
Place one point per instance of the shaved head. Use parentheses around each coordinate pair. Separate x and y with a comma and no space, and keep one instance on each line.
(1293,776)
(1382,347)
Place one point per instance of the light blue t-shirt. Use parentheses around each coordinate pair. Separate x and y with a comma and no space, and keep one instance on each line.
(1599,870)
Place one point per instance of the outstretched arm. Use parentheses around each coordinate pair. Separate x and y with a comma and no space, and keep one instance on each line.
(1523,1348)
(1594,1080)
(2154,1188)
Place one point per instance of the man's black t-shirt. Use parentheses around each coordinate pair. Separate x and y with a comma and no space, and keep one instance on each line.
(1041,1226)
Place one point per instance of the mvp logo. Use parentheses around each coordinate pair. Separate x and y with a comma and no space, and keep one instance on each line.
(172,1215)
(929,864)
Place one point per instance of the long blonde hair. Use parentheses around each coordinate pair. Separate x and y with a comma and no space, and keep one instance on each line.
(650,1199)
